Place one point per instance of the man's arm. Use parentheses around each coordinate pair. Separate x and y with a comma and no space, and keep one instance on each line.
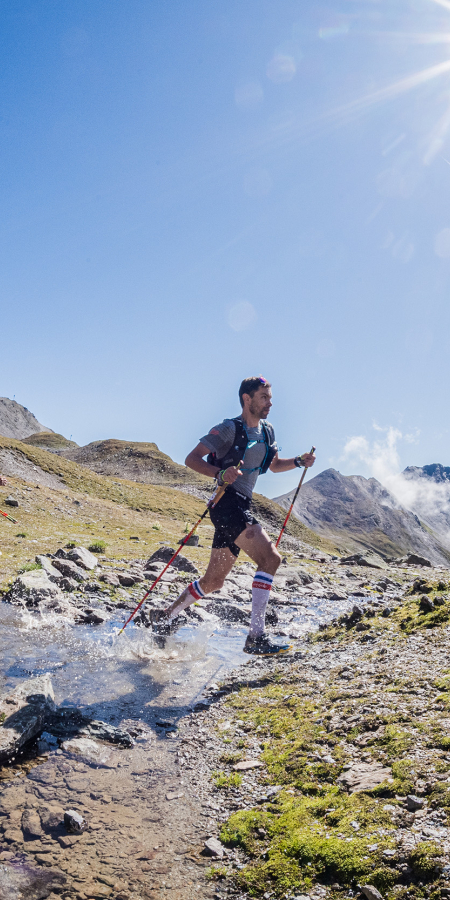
(285,465)
(196,462)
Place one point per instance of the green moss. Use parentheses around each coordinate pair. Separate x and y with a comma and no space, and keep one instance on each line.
(423,859)
(97,547)
(29,567)
(221,780)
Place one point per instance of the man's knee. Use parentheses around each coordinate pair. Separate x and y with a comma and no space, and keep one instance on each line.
(273,556)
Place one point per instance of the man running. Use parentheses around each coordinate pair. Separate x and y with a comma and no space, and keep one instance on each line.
(237,451)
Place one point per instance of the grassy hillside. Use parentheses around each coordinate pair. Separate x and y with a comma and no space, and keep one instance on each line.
(136,461)
(49,440)
(82,506)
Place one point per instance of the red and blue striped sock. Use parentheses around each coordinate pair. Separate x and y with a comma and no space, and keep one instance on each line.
(261,586)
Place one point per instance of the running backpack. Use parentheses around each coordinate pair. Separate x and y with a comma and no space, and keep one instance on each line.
(237,450)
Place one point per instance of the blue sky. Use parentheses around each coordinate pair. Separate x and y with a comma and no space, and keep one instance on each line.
(195,192)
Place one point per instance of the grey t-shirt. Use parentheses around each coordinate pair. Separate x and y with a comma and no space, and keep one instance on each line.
(220,439)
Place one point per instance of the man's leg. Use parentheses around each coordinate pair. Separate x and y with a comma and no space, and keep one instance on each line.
(220,564)
(258,546)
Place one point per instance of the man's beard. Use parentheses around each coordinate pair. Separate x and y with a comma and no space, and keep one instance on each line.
(255,410)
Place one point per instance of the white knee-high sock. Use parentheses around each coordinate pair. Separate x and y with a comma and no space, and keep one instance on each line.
(261,586)
(190,595)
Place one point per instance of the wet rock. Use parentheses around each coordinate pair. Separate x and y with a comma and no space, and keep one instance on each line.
(371,892)
(164,554)
(90,752)
(51,816)
(89,617)
(73,822)
(20,879)
(228,611)
(83,558)
(426,603)
(365,777)
(213,847)
(31,824)
(70,569)
(11,501)
(31,588)
(413,803)
(47,742)
(25,711)
(104,732)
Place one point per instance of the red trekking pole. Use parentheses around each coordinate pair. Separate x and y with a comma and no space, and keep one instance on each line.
(7,516)
(292,504)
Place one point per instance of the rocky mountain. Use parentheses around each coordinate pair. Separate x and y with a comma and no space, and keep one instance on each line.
(17,421)
(350,507)
(426,491)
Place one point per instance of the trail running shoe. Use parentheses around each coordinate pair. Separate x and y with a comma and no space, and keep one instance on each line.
(263,646)
(159,621)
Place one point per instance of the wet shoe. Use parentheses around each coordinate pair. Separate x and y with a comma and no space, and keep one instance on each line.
(263,646)
(159,621)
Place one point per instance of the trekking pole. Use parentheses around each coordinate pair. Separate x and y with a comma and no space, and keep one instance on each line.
(7,516)
(212,502)
(292,504)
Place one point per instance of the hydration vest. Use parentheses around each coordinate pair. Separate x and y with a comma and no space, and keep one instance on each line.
(237,450)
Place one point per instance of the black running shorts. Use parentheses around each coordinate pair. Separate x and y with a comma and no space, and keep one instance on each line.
(230,518)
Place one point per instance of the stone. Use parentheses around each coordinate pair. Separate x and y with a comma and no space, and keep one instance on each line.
(110,578)
(47,566)
(104,732)
(90,751)
(31,588)
(51,816)
(213,847)
(127,579)
(70,569)
(174,795)
(83,558)
(26,710)
(364,777)
(192,541)
(413,803)
(11,501)
(31,824)
(164,554)
(336,596)
(47,742)
(89,617)
(67,584)
(366,559)
(20,879)
(371,892)
(426,603)
(73,822)
(414,560)
(246,764)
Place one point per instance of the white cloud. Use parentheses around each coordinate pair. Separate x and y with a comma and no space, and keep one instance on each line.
(241,315)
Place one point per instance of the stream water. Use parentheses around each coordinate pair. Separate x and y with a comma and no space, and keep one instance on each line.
(112,677)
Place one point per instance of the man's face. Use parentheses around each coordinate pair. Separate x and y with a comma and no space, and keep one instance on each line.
(261,402)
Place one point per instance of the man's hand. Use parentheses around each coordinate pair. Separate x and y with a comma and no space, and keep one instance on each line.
(306,459)
(231,474)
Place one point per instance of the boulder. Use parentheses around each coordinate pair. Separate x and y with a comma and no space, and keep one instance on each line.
(24,713)
(32,588)
(48,567)
(69,568)
(364,559)
(83,558)
(11,501)
(192,541)
(364,777)
(164,554)
(31,824)
(371,892)
(20,878)
(110,578)
(414,560)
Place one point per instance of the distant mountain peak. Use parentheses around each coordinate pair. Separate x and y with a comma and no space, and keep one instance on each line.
(16,421)
(438,473)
